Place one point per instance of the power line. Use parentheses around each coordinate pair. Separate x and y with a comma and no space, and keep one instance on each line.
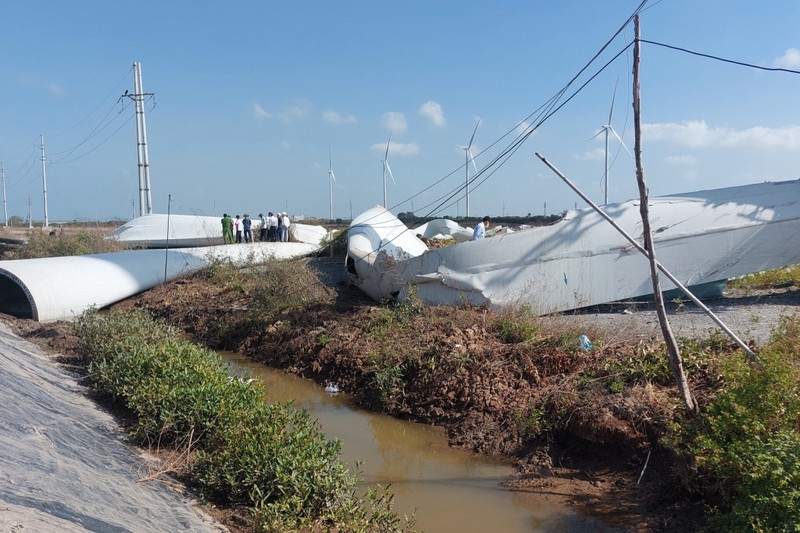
(721,59)
(541,114)
(113,91)
(102,125)
(101,143)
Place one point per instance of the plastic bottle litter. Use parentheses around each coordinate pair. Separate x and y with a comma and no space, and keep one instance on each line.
(585,343)
(332,388)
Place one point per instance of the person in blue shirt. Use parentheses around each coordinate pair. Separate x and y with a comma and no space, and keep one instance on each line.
(246,225)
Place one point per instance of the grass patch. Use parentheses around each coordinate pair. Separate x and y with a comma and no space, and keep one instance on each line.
(41,244)
(768,279)
(240,450)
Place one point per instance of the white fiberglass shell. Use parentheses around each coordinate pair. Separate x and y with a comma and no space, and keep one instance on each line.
(55,288)
(374,237)
(444,228)
(189,230)
(582,260)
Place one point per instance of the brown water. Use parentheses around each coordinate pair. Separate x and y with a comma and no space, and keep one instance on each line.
(450,489)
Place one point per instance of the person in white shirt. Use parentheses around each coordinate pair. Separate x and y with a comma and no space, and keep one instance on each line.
(237,229)
(262,233)
(272,231)
(480,228)
(285,223)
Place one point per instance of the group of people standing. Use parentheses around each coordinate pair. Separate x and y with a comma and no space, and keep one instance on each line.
(274,228)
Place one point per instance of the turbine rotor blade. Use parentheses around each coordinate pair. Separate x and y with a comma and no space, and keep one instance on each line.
(473,134)
(472,159)
(613,97)
(602,130)
(330,164)
(620,140)
(390,172)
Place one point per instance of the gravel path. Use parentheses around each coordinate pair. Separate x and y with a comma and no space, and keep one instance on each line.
(751,316)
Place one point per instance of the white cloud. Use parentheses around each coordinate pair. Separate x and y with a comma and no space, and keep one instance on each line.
(259,112)
(394,122)
(334,117)
(524,127)
(291,113)
(399,149)
(51,87)
(790,59)
(697,134)
(432,111)
(597,154)
(55,89)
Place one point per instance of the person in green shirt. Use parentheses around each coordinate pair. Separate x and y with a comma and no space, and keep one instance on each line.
(227,229)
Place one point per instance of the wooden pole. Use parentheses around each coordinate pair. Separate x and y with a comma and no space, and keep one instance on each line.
(673,352)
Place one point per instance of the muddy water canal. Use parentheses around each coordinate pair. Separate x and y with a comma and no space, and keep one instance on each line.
(446,488)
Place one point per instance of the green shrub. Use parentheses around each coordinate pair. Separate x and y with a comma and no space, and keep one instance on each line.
(279,450)
(747,440)
(388,383)
(279,285)
(512,331)
(392,318)
(273,458)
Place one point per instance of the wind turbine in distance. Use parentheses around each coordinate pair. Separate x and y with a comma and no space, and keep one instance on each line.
(331,180)
(609,128)
(469,157)
(386,168)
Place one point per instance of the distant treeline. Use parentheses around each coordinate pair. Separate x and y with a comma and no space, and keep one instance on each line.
(410,219)
(19,222)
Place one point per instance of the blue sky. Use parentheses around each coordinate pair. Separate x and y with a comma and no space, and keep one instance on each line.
(249,96)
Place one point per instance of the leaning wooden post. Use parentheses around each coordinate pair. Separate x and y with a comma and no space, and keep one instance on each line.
(673,353)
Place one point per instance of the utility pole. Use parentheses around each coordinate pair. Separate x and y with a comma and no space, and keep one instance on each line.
(673,350)
(30,217)
(44,184)
(5,201)
(138,97)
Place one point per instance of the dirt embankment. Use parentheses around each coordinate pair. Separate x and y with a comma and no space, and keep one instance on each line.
(465,369)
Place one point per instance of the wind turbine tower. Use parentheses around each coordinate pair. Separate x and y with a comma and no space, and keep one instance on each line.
(469,158)
(331,180)
(387,168)
(5,201)
(608,128)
